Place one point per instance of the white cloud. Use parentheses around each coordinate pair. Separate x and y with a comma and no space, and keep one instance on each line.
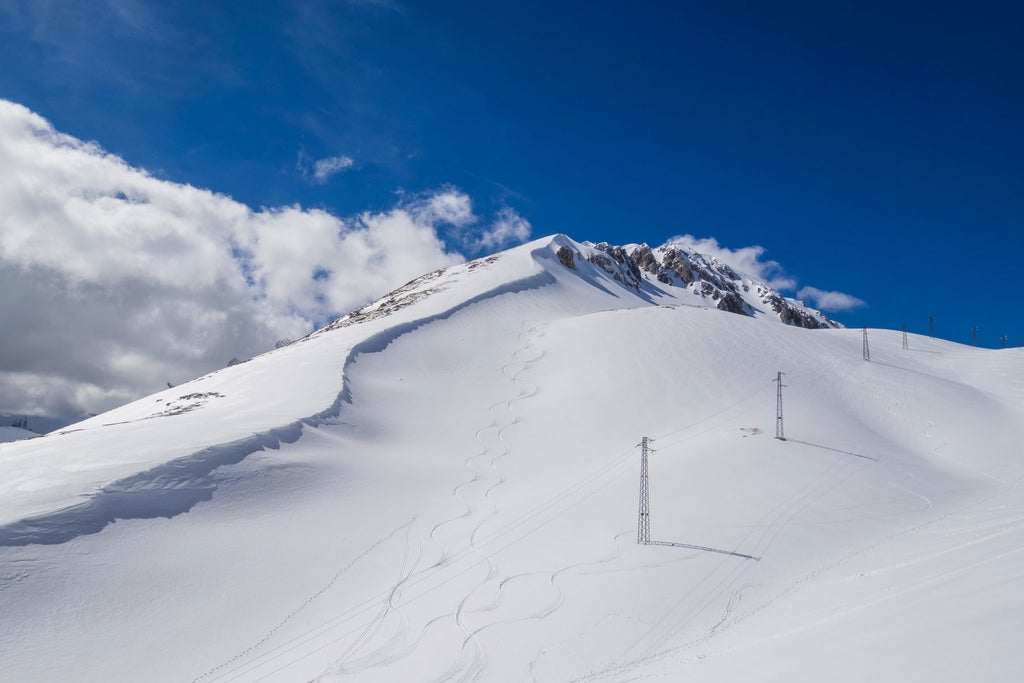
(449,206)
(325,168)
(834,302)
(508,228)
(746,260)
(116,282)
(454,208)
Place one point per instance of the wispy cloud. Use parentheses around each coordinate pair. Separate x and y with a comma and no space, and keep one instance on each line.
(319,171)
(138,281)
(832,302)
(85,44)
(325,168)
(507,228)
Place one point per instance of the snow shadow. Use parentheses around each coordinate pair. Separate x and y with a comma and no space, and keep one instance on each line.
(834,450)
(175,487)
(163,491)
(704,548)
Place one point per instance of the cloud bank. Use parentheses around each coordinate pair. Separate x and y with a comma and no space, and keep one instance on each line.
(115,282)
(831,302)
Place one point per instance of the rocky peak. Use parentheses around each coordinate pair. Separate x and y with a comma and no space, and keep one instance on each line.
(703,276)
(617,263)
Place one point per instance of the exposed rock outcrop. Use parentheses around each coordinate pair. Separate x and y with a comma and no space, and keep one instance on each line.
(565,256)
(703,275)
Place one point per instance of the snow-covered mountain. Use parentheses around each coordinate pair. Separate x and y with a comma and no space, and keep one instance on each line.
(15,434)
(443,485)
(669,275)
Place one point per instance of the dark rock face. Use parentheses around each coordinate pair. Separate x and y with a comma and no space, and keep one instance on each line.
(643,257)
(617,263)
(565,255)
(675,261)
(733,303)
(793,316)
(724,269)
(675,266)
(714,277)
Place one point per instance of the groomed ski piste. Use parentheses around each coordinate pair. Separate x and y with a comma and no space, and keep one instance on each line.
(443,486)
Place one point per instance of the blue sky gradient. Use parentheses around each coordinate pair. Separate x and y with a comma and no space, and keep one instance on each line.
(872,148)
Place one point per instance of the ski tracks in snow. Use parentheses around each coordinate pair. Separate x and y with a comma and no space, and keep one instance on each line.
(213,673)
(477,549)
(485,468)
(498,427)
(902,408)
(724,578)
(473,659)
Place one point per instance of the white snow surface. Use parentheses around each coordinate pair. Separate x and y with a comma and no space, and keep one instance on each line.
(443,486)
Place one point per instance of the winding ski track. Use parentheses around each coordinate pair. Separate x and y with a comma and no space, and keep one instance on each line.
(454,565)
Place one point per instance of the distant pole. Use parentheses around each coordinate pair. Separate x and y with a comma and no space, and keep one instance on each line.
(780,433)
(931,326)
(867,351)
(905,345)
(1003,339)
(643,527)
(974,335)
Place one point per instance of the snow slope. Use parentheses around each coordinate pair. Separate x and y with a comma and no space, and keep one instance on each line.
(15,434)
(443,486)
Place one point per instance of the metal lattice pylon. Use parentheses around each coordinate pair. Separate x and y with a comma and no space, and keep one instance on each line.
(643,526)
(867,351)
(780,433)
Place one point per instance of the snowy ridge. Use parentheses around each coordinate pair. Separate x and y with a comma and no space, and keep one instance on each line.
(668,274)
(173,477)
(174,487)
(442,486)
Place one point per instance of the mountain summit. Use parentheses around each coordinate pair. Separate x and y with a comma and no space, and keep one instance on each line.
(668,275)
(443,485)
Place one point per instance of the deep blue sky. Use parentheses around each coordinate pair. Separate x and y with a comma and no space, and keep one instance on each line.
(871,148)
